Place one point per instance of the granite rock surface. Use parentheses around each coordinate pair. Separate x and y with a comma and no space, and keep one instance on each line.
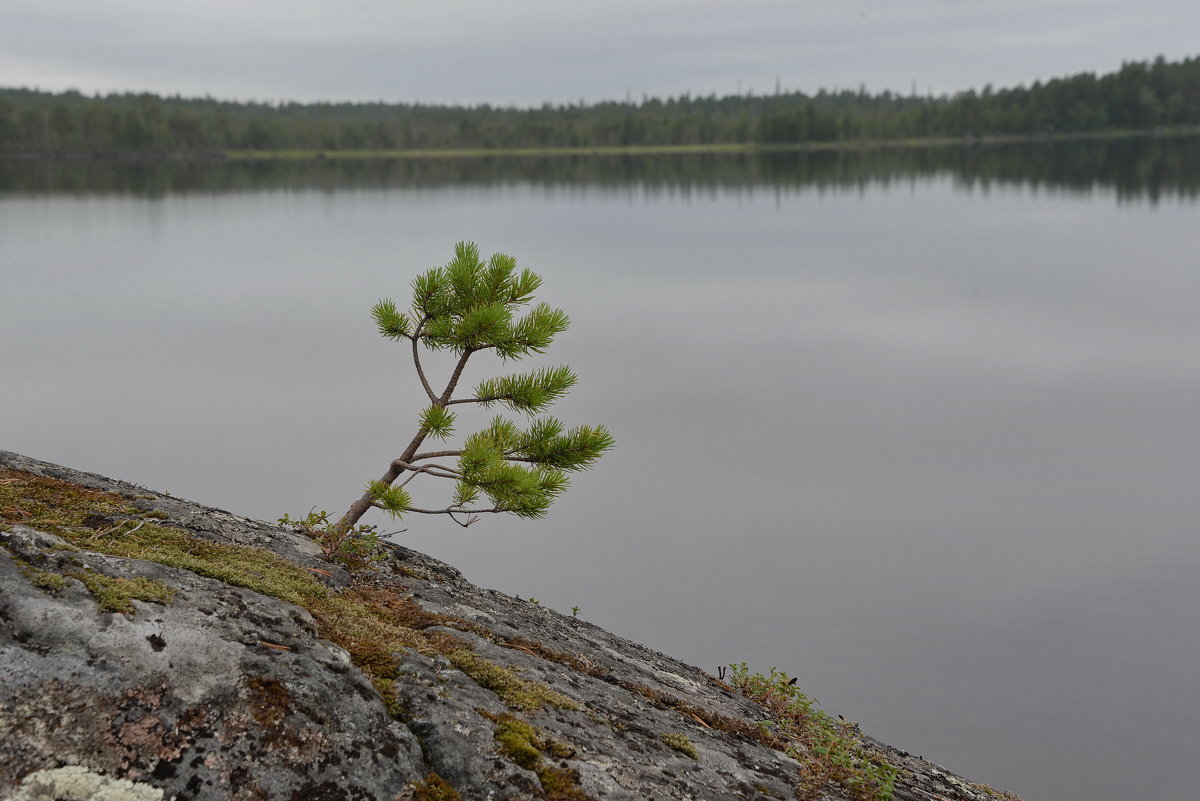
(217,691)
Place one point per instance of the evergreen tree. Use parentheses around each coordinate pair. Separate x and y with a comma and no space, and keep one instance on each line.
(467,307)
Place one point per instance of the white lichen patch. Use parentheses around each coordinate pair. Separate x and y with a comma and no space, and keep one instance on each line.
(678,682)
(77,783)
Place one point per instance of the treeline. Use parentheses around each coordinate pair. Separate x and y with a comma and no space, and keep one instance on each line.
(1139,96)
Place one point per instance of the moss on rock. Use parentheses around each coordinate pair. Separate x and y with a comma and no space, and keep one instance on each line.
(680,743)
(515,691)
(435,788)
(525,746)
(118,594)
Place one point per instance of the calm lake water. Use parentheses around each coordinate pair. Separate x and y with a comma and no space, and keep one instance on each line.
(918,427)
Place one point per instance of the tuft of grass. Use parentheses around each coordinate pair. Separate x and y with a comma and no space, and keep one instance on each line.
(680,743)
(831,752)
(118,594)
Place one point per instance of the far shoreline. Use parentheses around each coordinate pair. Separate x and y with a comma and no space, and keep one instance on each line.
(744,148)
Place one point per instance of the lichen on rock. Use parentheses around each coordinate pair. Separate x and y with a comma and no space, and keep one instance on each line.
(77,783)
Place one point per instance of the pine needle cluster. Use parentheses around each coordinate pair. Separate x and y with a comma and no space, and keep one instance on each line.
(468,306)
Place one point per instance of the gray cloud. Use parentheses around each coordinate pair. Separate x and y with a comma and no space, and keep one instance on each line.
(529,51)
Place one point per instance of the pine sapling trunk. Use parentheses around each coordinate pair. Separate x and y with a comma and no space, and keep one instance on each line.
(360,507)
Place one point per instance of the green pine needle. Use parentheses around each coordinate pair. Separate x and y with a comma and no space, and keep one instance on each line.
(469,305)
(392,323)
(578,449)
(528,392)
(465,494)
(437,421)
(394,500)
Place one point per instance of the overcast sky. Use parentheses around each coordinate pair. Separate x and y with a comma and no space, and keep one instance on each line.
(526,52)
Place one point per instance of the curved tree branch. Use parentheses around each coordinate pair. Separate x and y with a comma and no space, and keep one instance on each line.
(434,455)
(469,400)
(450,510)
(457,374)
(417,360)
(431,469)
(508,457)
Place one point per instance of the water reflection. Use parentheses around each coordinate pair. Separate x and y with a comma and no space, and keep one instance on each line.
(931,449)
(1142,168)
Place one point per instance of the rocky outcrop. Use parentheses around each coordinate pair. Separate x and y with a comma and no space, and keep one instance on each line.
(194,654)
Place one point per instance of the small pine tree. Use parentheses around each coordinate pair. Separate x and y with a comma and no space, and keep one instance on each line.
(466,307)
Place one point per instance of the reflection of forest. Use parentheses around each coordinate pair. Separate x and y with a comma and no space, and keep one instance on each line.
(1143,167)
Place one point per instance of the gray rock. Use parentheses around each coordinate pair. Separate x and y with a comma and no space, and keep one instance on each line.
(184,695)
(198,697)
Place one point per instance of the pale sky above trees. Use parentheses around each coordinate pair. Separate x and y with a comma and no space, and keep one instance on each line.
(526,52)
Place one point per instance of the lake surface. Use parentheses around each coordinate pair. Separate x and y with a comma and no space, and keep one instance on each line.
(918,427)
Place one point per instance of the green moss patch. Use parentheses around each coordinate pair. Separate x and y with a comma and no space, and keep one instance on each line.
(390,694)
(42,579)
(526,747)
(50,505)
(376,625)
(515,691)
(118,594)
(680,743)
(517,740)
(435,788)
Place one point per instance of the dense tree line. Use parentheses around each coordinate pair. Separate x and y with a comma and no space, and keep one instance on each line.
(1141,95)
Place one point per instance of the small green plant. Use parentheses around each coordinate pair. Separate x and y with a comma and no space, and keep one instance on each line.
(575,610)
(535,601)
(356,546)
(470,306)
(830,750)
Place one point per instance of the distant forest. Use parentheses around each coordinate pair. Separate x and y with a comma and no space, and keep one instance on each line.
(1139,96)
